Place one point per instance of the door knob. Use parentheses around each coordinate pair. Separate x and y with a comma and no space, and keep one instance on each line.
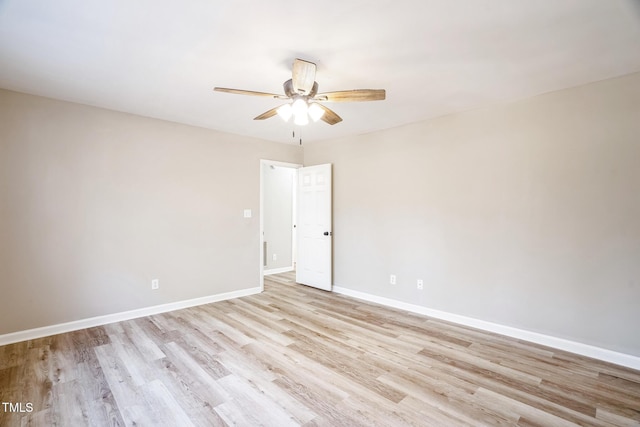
(327,233)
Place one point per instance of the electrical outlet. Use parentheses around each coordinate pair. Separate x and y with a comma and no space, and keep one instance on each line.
(155,284)
(420,284)
(392,279)
(275,257)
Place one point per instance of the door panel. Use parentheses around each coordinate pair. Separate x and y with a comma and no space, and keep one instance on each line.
(314,232)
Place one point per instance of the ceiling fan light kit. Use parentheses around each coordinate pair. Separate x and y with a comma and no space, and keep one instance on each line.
(302,90)
(301,111)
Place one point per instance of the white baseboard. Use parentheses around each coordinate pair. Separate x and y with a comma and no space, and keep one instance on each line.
(278,270)
(599,353)
(119,317)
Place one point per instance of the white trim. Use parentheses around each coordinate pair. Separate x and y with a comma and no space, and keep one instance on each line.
(278,270)
(60,328)
(599,353)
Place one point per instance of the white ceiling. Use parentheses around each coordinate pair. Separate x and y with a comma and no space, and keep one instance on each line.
(161,58)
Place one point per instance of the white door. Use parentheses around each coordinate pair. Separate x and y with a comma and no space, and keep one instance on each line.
(313,267)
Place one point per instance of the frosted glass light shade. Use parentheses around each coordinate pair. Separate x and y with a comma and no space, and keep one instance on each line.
(285,112)
(299,107)
(301,119)
(315,111)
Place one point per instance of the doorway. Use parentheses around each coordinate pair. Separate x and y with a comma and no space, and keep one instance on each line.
(296,222)
(278,211)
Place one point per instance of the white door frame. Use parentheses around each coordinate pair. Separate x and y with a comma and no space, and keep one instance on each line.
(266,163)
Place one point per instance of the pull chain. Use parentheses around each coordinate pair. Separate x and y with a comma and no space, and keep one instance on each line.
(293,135)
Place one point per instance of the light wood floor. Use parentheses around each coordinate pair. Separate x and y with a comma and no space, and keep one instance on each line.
(294,355)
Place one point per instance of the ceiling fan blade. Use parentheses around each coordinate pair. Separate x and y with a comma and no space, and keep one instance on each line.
(352,95)
(267,114)
(248,92)
(330,116)
(303,76)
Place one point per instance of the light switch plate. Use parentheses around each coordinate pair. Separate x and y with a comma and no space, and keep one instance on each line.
(247,213)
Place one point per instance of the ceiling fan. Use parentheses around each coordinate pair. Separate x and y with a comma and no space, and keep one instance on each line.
(302,91)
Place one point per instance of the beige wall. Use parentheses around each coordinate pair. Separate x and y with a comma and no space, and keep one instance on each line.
(94,204)
(525,214)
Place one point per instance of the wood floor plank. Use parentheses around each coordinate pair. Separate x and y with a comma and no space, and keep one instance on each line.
(145,344)
(497,400)
(432,415)
(248,406)
(295,355)
(189,370)
(190,397)
(118,379)
(164,408)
